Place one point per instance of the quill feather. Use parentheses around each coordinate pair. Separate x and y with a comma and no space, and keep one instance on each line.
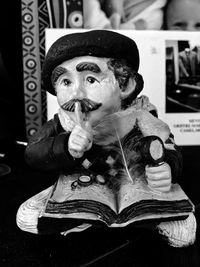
(122,122)
(123,157)
(119,133)
(127,159)
(122,134)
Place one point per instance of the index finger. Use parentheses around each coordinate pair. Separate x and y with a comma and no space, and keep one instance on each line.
(78,113)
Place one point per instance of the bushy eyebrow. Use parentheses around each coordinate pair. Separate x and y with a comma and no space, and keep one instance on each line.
(56,73)
(88,66)
(83,66)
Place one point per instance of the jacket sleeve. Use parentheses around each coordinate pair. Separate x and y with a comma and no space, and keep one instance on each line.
(46,150)
(172,156)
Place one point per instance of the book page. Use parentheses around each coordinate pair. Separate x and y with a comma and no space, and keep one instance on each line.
(67,189)
(139,190)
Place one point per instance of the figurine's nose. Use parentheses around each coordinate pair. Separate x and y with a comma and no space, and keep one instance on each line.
(79,90)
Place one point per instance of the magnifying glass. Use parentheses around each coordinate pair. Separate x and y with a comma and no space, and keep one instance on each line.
(152,150)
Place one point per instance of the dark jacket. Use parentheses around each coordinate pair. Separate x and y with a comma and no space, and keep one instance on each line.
(48,150)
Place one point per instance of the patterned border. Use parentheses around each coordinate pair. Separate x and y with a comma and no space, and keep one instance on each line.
(31,65)
(35,19)
(43,24)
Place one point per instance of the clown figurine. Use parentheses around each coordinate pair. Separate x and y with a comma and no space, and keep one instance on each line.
(94,74)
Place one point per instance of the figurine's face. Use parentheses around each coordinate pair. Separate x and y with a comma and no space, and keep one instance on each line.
(183,15)
(87,80)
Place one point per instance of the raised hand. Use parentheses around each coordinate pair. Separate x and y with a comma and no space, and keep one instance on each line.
(81,137)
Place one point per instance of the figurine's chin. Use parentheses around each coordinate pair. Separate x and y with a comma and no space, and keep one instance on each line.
(95,116)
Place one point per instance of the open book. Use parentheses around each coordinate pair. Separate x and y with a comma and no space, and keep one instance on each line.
(133,202)
(118,194)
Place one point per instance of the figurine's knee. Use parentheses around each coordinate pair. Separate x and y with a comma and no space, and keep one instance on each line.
(27,217)
(179,233)
(29,212)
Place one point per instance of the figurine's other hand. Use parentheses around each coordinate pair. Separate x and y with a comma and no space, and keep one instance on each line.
(159,177)
(81,137)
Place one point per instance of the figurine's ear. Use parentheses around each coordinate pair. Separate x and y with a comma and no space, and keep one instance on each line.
(128,89)
(131,90)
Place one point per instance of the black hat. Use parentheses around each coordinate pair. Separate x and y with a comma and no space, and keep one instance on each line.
(97,43)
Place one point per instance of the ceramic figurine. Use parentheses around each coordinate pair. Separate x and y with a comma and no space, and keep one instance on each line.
(104,142)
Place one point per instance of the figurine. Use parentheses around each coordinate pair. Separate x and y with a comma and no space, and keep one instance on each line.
(94,75)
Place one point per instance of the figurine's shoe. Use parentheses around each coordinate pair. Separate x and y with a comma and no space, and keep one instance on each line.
(179,233)
(29,212)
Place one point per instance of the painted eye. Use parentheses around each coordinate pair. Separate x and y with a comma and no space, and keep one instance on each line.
(91,79)
(66,82)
